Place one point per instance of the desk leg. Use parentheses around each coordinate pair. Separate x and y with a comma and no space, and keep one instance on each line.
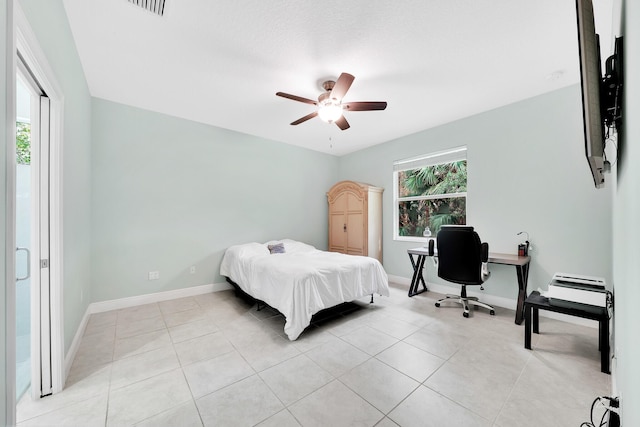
(604,345)
(523,277)
(421,277)
(417,277)
(527,327)
(414,278)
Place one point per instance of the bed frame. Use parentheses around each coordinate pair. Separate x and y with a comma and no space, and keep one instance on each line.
(327,313)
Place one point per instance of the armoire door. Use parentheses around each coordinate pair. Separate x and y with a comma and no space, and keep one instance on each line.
(338,224)
(347,233)
(355,227)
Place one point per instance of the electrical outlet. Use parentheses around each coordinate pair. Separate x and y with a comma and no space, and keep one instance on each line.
(192,270)
(154,275)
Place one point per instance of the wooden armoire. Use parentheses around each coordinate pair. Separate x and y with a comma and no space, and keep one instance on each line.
(355,219)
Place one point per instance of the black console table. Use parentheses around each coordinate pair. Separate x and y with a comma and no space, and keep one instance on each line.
(536,302)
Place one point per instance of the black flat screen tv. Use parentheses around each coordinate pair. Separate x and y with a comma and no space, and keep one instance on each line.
(601,95)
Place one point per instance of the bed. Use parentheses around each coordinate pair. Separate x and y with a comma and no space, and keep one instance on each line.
(299,280)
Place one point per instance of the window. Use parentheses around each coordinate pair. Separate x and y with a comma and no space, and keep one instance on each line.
(429,191)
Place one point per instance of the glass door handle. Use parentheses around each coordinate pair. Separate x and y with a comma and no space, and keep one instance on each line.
(28,264)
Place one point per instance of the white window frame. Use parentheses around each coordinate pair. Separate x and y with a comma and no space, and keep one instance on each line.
(431,159)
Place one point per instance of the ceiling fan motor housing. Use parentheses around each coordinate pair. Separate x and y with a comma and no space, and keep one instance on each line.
(328,85)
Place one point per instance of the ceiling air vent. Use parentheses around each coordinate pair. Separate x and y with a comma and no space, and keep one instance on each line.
(153,6)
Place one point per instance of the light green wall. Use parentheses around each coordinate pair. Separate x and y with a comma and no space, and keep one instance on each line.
(49,23)
(527,171)
(166,193)
(169,193)
(626,258)
(5,89)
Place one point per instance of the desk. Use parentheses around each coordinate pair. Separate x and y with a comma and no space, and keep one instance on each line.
(536,302)
(521,263)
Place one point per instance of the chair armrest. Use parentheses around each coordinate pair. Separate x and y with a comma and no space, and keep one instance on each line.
(485,252)
(431,251)
(484,269)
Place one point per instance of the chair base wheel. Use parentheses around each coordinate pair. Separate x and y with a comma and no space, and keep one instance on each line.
(466,302)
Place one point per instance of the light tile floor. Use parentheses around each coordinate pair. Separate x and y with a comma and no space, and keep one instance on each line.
(214,360)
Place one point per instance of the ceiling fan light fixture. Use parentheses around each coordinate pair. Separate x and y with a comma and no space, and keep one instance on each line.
(329,104)
(330,110)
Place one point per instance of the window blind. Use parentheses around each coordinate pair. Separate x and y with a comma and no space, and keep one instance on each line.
(446,156)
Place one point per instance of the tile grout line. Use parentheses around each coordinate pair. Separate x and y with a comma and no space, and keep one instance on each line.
(184,376)
(513,387)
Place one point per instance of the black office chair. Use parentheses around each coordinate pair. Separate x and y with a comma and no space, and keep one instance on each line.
(462,259)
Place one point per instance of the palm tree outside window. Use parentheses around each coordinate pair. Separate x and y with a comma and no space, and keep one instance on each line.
(430,191)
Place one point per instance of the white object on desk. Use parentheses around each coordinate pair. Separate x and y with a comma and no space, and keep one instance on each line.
(578,288)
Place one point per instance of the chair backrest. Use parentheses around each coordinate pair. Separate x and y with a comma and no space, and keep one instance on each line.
(461,255)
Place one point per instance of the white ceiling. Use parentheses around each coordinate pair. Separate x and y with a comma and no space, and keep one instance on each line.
(434,61)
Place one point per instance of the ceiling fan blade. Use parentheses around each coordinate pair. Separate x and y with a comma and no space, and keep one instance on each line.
(297,98)
(364,106)
(342,86)
(305,118)
(342,123)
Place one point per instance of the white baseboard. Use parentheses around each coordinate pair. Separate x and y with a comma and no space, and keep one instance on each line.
(497,301)
(75,344)
(117,304)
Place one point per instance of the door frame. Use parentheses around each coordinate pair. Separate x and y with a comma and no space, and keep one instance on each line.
(35,59)
(10,222)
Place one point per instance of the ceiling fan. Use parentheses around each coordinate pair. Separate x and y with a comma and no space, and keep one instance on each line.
(330,105)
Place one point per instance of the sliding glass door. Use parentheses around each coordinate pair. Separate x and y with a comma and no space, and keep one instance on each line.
(33,330)
(23,238)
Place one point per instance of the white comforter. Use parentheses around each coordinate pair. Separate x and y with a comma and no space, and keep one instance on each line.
(303,280)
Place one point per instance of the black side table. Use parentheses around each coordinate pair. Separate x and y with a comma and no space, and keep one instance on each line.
(536,302)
